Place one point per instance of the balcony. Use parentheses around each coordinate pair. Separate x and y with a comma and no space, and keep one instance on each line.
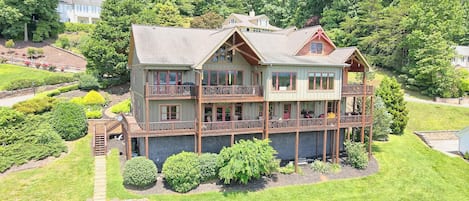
(171,91)
(229,127)
(356,90)
(233,90)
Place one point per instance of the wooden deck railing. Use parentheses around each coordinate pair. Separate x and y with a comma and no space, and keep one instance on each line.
(233,125)
(172,125)
(356,89)
(234,90)
(171,90)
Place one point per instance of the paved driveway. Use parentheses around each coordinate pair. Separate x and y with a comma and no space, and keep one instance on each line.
(8,102)
(443,141)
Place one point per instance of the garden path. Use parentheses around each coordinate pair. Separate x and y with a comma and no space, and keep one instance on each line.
(99,178)
(8,102)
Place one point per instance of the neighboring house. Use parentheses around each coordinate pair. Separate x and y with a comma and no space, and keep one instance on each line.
(462,57)
(251,23)
(79,11)
(463,136)
(200,90)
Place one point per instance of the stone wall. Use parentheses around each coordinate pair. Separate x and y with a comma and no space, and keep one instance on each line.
(458,101)
(21,92)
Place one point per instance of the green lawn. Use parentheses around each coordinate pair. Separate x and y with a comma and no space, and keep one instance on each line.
(9,73)
(69,178)
(409,170)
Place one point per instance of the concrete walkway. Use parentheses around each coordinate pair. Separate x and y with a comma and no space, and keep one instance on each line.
(418,100)
(99,178)
(8,102)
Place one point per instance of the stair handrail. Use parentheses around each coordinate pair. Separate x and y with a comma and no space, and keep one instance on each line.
(94,141)
(105,139)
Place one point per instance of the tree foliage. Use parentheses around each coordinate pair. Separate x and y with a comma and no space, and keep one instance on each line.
(246,160)
(42,21)
(107,49)
(69,120)
(393,98)
(382,120)
(208,20)
(182,171)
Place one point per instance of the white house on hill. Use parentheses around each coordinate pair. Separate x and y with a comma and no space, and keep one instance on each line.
(462,57)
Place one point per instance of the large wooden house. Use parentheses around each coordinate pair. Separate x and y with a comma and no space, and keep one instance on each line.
(200,90)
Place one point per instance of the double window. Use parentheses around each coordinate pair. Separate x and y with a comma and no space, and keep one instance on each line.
(321,81)
(284,81)
(169,112)
(222,77)
(223,55)
(316,48)
(167,78)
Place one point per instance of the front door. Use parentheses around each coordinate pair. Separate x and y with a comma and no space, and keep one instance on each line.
(286,111)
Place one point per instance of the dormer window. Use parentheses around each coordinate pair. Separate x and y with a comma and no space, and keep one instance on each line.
(262,22)
(232,21)
(316,48)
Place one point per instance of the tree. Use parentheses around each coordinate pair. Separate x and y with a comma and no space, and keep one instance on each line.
(208,20)
(42,21)
(107,49)
(390,92)
(382,120)
(246,160)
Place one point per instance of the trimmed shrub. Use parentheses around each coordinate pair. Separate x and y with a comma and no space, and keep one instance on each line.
(94,114)
(466,155)
(37,105)
(246,160)
(68,88)
(182,171)
(324,168)
(93,98)
(77,100)
(208,166)
(76,27)
(140,172)
(69,120)
(57,79)
(356,154)
(88,82)
(23,83)
(122,107)
(9,117)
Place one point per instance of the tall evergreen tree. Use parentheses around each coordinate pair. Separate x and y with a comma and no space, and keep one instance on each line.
(390,92)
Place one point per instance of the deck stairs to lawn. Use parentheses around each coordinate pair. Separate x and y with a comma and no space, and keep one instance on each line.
(101,131)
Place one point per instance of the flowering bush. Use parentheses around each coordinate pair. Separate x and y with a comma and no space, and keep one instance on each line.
(27,63)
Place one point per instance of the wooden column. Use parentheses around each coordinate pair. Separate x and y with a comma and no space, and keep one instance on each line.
(370,134)
(324,143)
(362,134)
(232,139)
(147,112)
(266,119)
(199,112)
(129,145)
(337,135)
(297,137)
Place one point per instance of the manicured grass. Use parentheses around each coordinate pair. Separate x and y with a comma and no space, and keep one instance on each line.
(409,170)
(69,178)
(9,73)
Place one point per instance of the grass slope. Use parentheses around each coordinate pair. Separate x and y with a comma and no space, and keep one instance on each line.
(9,73)
(69,178)
(409,170)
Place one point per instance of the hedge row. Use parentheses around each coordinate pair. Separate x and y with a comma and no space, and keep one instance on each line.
(28,83)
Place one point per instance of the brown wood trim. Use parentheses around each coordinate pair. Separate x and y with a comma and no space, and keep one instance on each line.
(338,133)
(324,145)
(266,119)
(297,136)
(362,133)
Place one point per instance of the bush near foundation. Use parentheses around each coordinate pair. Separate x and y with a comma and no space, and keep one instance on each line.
(182,171)
(208,166)
(246,160)
(122,107)
(69,120)
(356,154)
(140,172)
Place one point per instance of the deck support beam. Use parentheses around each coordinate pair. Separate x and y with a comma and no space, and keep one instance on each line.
(266,120)
(337,135)
(199,112)
(297,136)
(324,143)
(362,134)
(147,113)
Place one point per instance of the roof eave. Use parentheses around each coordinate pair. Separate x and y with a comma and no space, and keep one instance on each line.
(305,64)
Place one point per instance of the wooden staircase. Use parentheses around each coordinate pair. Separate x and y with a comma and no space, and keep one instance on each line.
(100,136)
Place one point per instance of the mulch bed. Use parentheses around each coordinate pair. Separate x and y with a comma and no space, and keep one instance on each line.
(308,176)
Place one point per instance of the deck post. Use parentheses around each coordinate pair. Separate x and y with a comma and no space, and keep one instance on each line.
(147,112)
(199,112)
(266,120)
(324,143)
(370,134)
(362,134)
(232,139)
(297,137)
(338,133)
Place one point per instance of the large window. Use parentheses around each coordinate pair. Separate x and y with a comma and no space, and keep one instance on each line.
(167,78)
(321,81)
(316,48)
(283,81)
(169,112)
(223,55)
(222,77)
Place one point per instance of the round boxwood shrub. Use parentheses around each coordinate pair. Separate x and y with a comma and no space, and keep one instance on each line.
(88,82)
(140,172)
(69,120)
(208,166)
(93,98)
(182,171)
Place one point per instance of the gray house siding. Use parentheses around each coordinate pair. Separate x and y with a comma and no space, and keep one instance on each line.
(186,107)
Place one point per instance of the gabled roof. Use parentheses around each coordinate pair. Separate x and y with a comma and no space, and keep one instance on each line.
(464,131)
(462,50)
(171,46)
